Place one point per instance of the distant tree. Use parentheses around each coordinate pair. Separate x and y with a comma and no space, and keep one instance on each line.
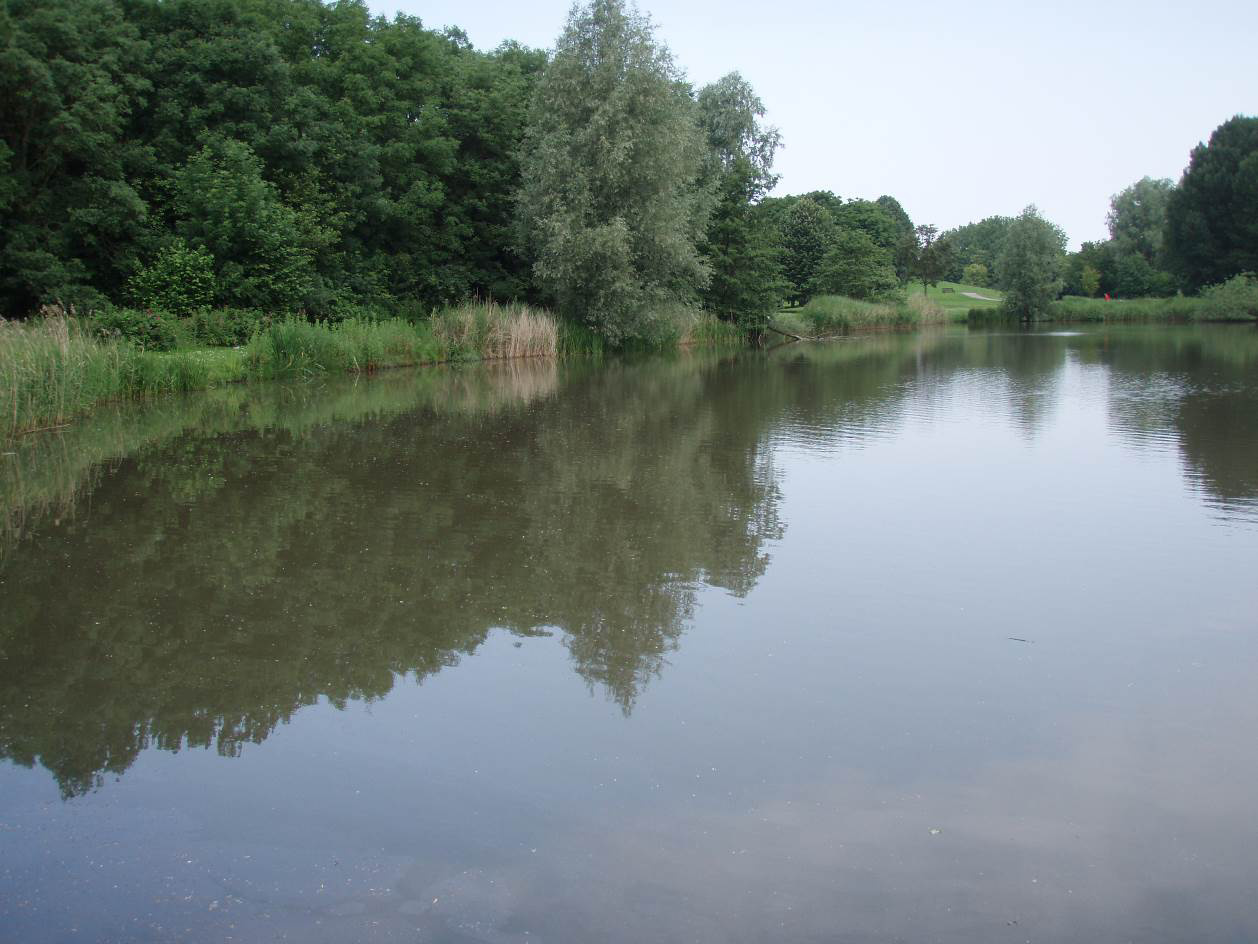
(975,274)
(740,245)
(1030,264)
(855,266)
(610,210)
(871,219)
(1090,281)
(977,242)
(905,241)
(1137,217)
(934,256)
(807,233)
(1212,216)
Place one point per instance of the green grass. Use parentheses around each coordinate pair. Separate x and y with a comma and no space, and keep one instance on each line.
(834,314)
(955,300)
(1177,308)
(53,368)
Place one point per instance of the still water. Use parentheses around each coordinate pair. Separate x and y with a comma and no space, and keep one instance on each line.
(940,637)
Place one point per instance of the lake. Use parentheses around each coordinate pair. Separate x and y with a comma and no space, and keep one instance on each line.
(946,636)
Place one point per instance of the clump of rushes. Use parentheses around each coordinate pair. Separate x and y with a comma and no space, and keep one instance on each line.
(491,330)
(295,347)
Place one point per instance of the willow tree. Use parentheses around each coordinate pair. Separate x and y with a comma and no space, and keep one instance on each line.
(1030,264)
(747,283)
(611,205)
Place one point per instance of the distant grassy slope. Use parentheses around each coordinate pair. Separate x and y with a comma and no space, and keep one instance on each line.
(955,300)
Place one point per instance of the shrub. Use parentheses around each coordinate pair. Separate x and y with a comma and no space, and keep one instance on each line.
(179,280)
(228,327)
(151,330)
(1233,300)
(975,274)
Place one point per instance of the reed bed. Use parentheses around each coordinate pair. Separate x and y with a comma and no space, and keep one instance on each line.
(493,331)
(832,314)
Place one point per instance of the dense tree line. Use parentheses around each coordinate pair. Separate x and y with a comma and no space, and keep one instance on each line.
(297,156)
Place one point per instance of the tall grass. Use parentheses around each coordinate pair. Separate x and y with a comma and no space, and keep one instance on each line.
(493,331)
(704,328)
(833,314)
(298,347)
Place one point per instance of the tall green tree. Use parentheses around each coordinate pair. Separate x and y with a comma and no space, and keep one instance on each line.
(1212,216)
(979,242)
(855,266)
(1137,217)
(905,242)
(934,255)
(610,207)
(70,75)
(740,246)
(1030,264)
(808,231)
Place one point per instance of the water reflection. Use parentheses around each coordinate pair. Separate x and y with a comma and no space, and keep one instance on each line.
(192,573)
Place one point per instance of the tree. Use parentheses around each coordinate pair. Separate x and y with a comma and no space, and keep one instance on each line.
(807,233)
(740,246)
(1030,264)
(934,255)
(262,250)
(855,266)
(610,210)
(1090,281)
(977,242)
(1137,217)
(1212,216)
(906,239)
(975,274)
(70,73)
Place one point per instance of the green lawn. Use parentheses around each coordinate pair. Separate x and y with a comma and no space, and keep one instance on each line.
(955,299)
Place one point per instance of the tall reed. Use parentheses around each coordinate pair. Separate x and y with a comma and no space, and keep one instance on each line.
(492,330)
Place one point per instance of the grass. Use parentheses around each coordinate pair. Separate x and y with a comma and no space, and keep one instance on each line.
(492,331)
(1177,308)
(956,300)
(834,314)
(52,368)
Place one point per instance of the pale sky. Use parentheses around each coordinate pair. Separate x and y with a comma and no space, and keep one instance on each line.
(961,110)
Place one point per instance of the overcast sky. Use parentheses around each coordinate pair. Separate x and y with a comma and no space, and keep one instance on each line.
(961,110)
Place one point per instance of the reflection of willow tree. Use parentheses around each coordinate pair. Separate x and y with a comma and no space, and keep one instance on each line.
(221,581)
(1197,385)
(277,546)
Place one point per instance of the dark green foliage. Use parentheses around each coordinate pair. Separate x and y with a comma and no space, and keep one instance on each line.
(856,267)
(324,157)
(979,242)
(71,75)
(178,280)
(263,250)
(1212,216)
(151,330)
(228,327)
(807,233)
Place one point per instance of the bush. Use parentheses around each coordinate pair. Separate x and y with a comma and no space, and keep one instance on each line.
(1233,300)
(228,327)
(179,280)
(151,330)
(975,274)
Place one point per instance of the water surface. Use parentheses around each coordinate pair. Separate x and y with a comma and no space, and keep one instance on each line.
(939,637)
